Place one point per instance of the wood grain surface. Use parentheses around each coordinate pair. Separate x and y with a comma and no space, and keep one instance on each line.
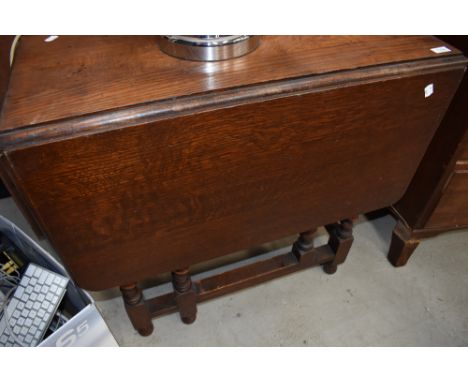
(157,197)
(464,150)
(134,163)
(436,199)
(452,209)
(5,43)
(449,145)
(87,74)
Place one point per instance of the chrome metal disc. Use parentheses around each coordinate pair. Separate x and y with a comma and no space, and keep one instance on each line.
(208,47)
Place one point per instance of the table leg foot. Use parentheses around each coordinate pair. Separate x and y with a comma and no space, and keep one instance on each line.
(185,294)
(402,245)
(330,268)
(136,308)
(340,241)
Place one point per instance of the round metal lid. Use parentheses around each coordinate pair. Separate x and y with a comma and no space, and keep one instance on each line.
(208,47)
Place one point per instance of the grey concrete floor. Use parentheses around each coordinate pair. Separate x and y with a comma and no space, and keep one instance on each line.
(366,303)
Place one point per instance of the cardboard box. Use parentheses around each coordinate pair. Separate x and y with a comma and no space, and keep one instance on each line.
(86,327)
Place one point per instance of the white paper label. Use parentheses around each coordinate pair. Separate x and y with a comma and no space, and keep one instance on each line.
(441,49)
(51,38)
(428,90)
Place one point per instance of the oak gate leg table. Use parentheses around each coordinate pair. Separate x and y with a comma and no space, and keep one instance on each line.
(133,163)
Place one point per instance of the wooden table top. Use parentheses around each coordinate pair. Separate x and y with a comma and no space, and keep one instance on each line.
(74,76)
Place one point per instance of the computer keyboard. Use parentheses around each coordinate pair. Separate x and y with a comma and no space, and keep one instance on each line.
(32,307)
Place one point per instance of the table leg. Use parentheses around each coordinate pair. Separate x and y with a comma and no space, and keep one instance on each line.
(304,243)
(186,296)
(341,239)
(136,308)
(402,245)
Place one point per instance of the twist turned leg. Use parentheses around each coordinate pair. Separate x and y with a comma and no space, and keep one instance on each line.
(402,245)
(186,296)
(136,308)
(341,239)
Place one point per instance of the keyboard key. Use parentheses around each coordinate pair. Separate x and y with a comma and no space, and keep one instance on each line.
(31,308)
(50,279)
(12,305)
(19,292)
(43,278)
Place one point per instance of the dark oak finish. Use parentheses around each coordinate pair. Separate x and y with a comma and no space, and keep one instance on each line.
(249,275)
(185,295)
(136,308)
(437,198)
(341,239)
(100,73)
(402,245)
(5,44)
(452,209)
(135,167)
(464,151)
(226,179)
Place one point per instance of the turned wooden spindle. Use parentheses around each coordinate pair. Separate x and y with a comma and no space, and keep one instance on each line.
(136,308)
(341,239)
(185,294)
(304,243)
